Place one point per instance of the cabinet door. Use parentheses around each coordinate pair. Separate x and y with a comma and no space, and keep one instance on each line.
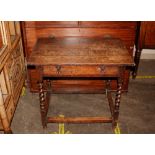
(13,26)
(4,88)
(3,42)
(16,71)
(149,41)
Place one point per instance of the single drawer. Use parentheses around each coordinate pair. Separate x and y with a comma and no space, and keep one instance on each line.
(80,71)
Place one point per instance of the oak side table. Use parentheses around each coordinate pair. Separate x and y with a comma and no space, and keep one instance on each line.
(79,57)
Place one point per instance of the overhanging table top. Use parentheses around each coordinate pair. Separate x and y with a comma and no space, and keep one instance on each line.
(80,51)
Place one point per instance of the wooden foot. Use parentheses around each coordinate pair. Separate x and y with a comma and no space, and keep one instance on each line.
(43,110)
(117,103)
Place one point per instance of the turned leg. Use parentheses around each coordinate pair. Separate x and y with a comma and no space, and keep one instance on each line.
(109,96)
(117,103)
(136,60)
(42,105)
(3,116)
(47,95)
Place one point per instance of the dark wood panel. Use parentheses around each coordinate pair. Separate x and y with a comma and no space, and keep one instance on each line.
(124,34)
(51,24)
(78,86)
(109,24)
(145,39)
(87,24)
(32,34)
(149,41)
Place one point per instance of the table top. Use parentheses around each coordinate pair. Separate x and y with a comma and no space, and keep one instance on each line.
(80,51)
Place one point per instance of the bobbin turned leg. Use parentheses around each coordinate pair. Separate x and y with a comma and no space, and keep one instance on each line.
(47,95)
(109,96)
(42,105)
(117,103)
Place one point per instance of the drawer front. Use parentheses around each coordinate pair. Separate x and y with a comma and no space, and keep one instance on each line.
(80,71)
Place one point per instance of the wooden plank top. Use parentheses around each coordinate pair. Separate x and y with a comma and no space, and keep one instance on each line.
(80,51)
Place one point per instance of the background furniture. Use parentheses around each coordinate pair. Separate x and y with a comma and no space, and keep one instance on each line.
(145,40)
(12,71)
(34,30)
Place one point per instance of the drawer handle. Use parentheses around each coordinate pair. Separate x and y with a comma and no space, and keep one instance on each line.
(101,68)
(58,67)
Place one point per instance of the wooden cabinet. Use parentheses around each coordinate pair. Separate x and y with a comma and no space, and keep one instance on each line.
(1,41)
(12,72)
(145,40)
(34,30)
(147,34)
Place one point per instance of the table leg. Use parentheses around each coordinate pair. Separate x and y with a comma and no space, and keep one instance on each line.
(42,105)
(136,60)
(109,96)
(117,103)
(48,95)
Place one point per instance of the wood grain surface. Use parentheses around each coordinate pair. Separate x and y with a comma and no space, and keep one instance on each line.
(80,51)
(32,31)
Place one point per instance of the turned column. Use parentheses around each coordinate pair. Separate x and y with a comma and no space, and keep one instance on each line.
(42,105)
(117,102)
(47,98)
